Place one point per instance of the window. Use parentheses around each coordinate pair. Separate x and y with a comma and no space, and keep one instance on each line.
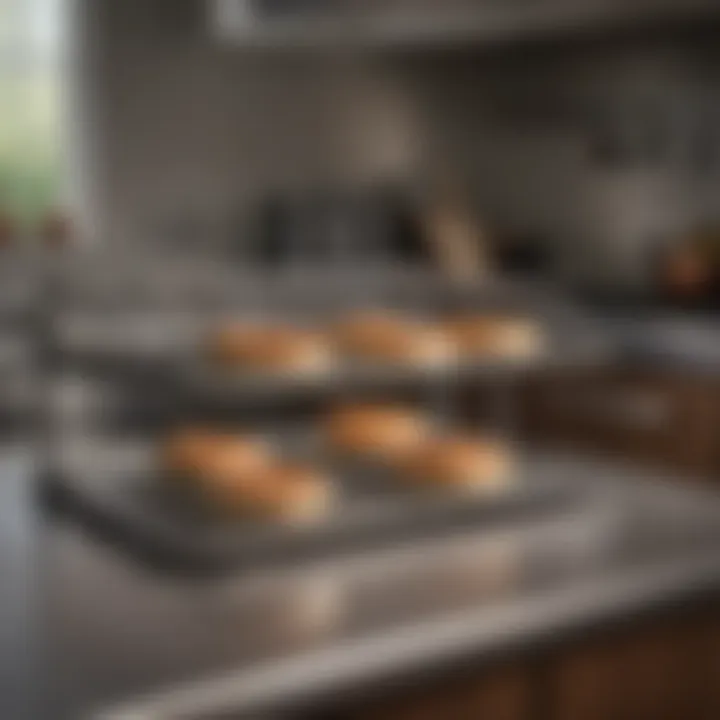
(30,127)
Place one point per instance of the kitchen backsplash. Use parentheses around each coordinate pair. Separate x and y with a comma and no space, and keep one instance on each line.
(601,156)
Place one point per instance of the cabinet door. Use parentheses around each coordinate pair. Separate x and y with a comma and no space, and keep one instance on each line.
(663,672)
(661,419)
(657,668)
(703,676)
(500,695)
(584,684)
(668,669)
(503,695)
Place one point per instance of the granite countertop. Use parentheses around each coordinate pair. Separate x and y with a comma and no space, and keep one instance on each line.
(130,643)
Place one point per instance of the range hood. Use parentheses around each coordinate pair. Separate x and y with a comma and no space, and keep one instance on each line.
(439,22)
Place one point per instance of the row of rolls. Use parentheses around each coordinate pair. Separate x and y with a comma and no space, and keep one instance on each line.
(243,475)
(382,337)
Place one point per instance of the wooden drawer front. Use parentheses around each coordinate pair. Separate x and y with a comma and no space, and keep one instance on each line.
(501,695)
(664,669)
(661,673)
(703,686)
(585,685)
(665,420)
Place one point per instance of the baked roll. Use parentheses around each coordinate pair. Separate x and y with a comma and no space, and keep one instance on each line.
(272,349)
(237,476)
(387,338)
(206,457)
(499,337)
(483,466)
(383,432)
(293,493)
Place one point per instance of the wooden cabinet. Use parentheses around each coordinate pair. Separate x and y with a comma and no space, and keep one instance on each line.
(505,694)
(586,684)
(652,674)
(666,669)
(663,419)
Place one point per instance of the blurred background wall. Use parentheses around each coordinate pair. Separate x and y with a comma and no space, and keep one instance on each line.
(183,124)
(598,159)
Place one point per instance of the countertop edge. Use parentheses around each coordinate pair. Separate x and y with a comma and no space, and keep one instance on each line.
(315,677)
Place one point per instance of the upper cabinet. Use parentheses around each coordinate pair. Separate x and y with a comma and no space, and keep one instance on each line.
(427,23)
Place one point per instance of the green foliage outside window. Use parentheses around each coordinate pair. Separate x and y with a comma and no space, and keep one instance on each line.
(30,145)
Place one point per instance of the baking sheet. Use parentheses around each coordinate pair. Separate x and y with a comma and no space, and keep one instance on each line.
(168,351)
(115,487)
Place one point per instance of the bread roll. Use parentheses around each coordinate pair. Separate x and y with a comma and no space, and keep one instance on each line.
(281,492)
(272,349)
(376,431)
(462,463)
(237,476)
(516,338)
(187,450)
(391,339)
(208,457)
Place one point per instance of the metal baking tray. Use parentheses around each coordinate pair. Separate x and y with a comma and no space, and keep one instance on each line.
(114,487)
(167,357)
(198,378)
(201,375)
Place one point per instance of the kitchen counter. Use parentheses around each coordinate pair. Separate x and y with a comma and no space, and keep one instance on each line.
(131,643)
(20,613)
(658,336)
(673,342)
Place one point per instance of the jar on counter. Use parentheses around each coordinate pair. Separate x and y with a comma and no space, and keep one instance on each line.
(56,229)
(8,229)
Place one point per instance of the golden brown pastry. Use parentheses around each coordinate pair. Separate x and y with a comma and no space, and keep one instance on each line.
(206,456)
(273,349)
(278,492)
(284,492)
(461,463)
(376,431)
(387,338)
(237,476)
(489,336)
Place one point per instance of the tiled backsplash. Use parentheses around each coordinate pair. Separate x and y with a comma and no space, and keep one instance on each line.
(187,132)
